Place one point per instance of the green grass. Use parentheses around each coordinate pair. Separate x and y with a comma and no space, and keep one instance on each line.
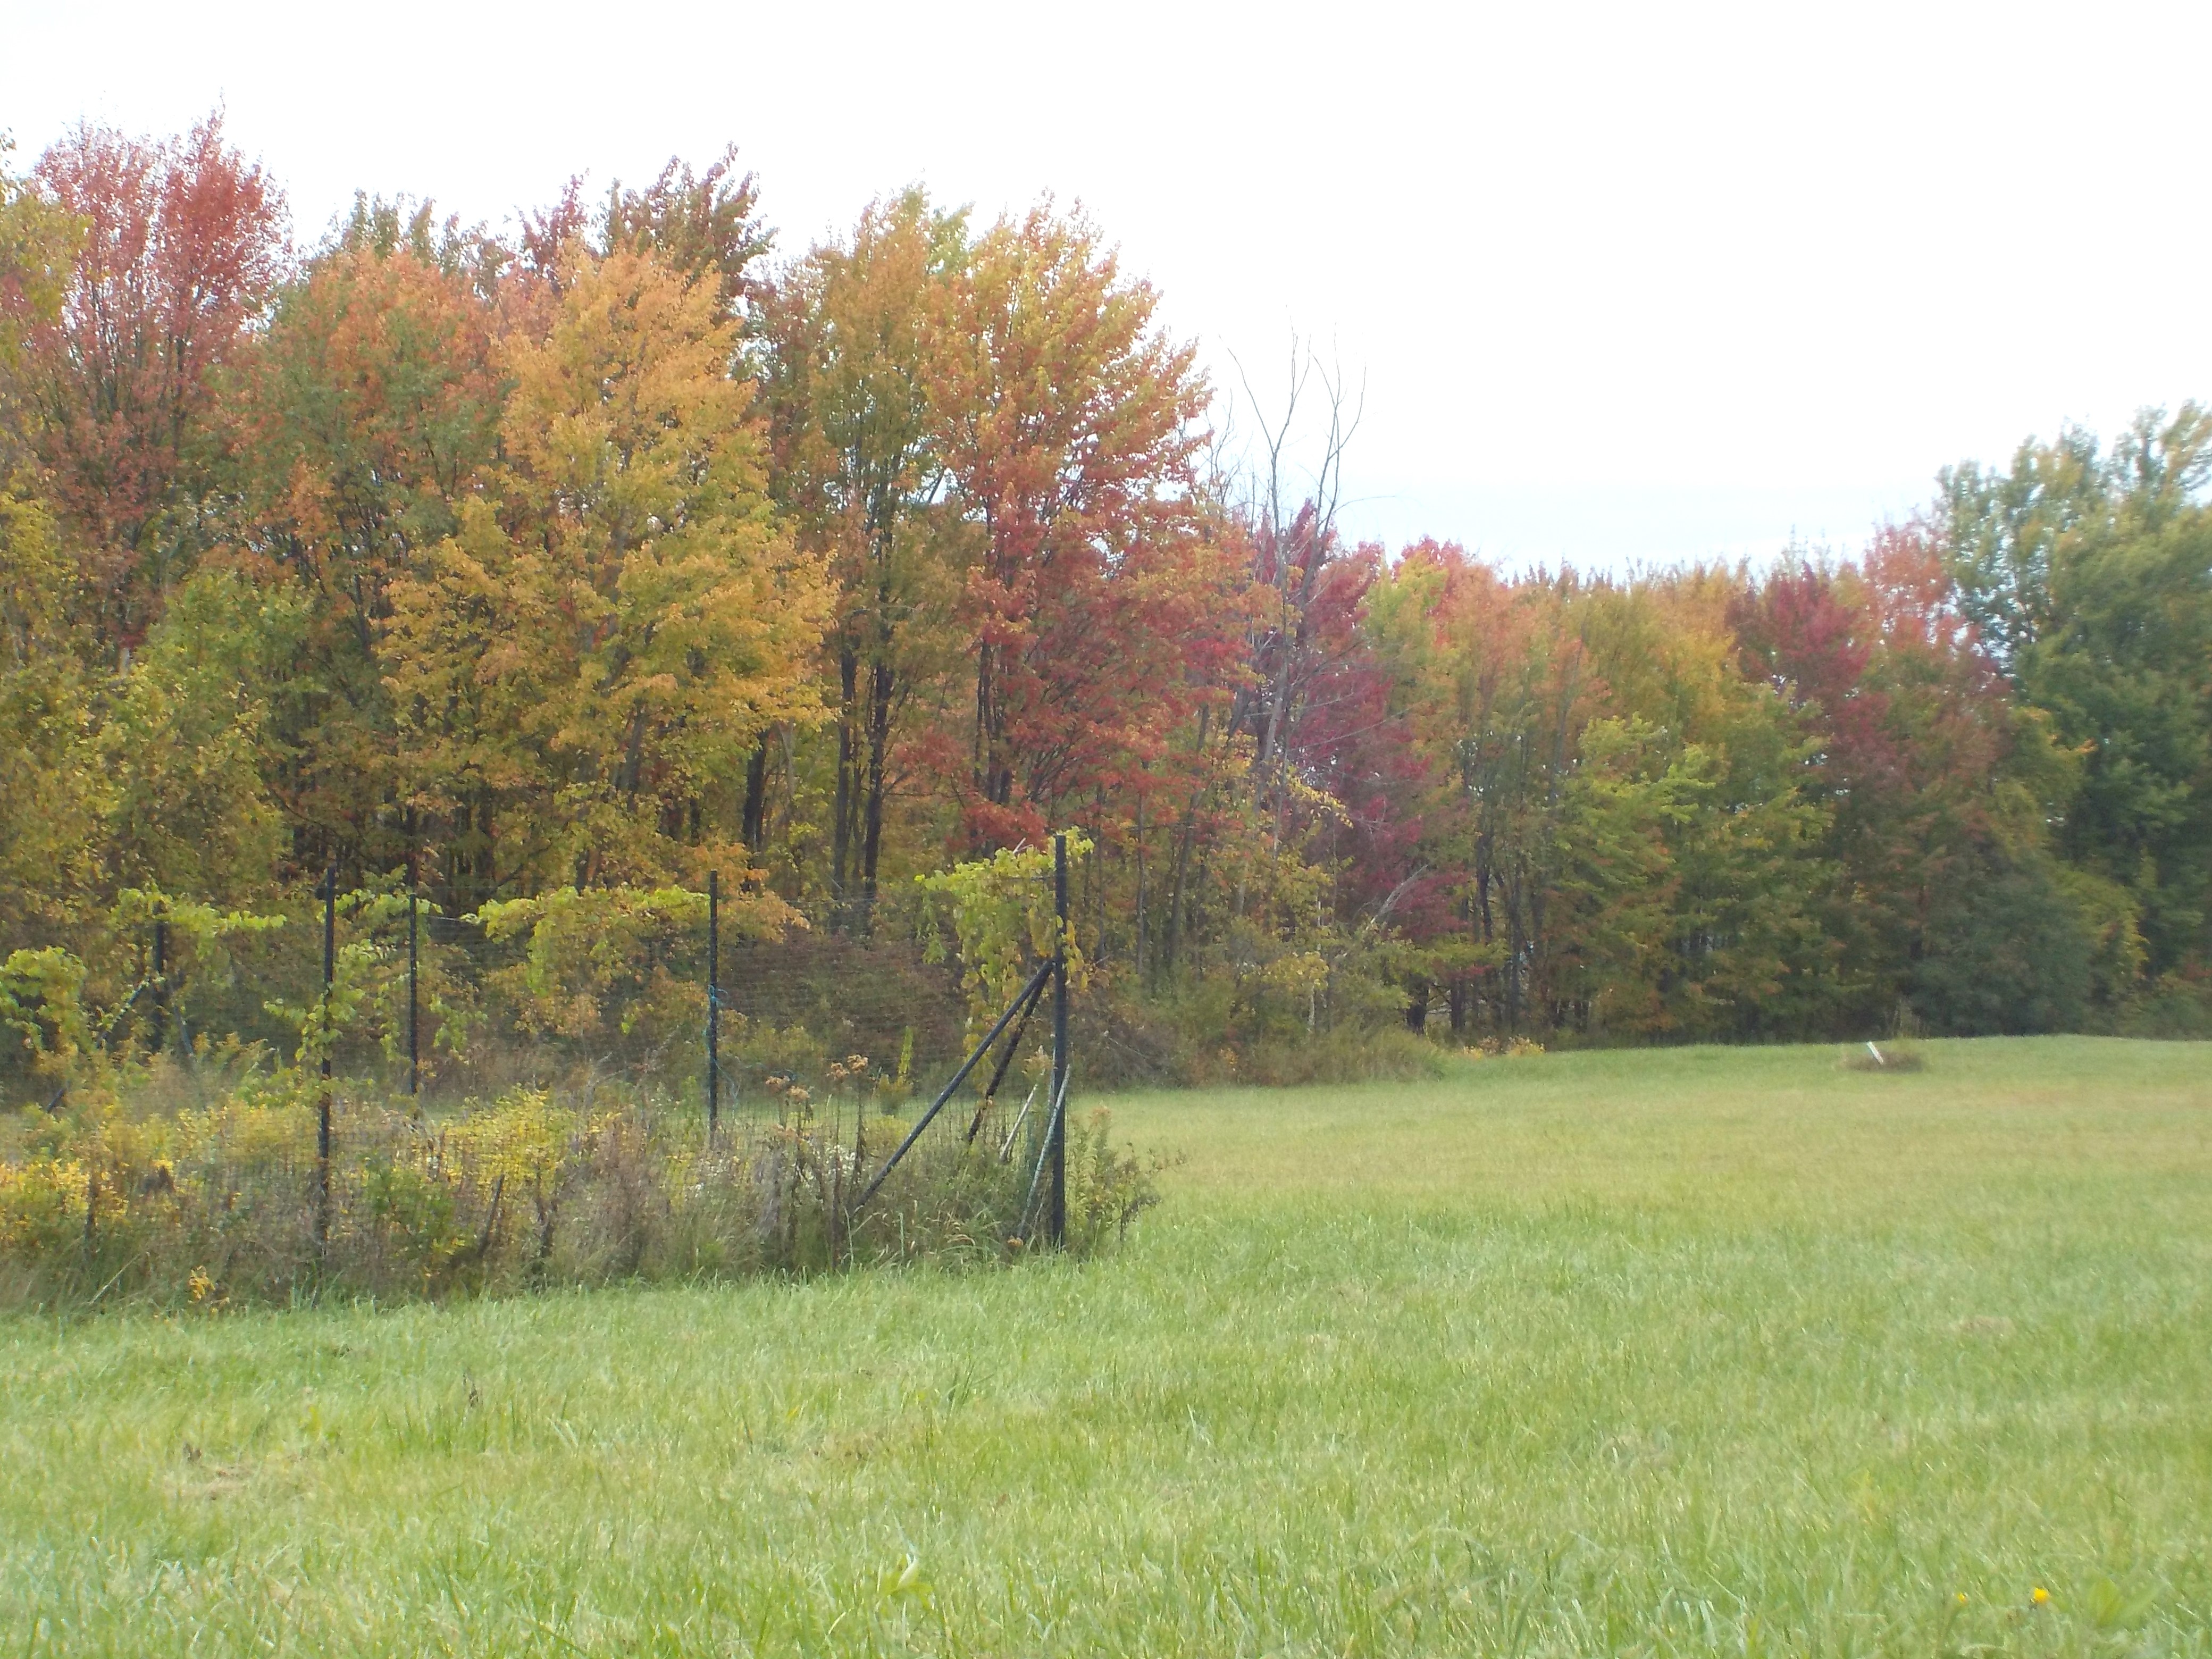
(1681,1352)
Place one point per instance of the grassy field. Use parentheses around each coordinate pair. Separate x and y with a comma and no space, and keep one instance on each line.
(1667,1352)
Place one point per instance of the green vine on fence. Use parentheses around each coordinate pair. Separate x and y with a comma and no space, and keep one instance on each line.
(48,1002)
(42,1005)
(367,992)
(1000,910)
(597,956)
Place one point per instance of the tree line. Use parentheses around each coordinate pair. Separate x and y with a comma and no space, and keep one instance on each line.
(622,548)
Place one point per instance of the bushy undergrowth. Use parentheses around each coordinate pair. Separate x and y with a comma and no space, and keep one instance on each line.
(2175,1006)
(1252,1029)
(188,1189)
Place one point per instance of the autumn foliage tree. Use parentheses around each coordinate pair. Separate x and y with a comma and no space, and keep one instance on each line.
(367,419)
(854,335)
(585,663)
(1069,427)
(181,248)
(568,566)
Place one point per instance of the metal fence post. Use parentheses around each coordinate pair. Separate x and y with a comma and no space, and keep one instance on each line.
(1056,1212)
(161,976)
(330,897)
(414,1028)
(714,1000)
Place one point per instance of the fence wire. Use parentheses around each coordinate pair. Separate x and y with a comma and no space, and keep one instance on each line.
(855,1067)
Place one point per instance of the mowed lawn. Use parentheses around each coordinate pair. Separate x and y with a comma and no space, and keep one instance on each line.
(1682,1351)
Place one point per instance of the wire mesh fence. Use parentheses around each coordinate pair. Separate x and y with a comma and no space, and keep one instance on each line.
(969,1144)
(810,1098)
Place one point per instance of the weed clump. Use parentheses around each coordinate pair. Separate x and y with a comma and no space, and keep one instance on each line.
(1492,1048)
(226,1201)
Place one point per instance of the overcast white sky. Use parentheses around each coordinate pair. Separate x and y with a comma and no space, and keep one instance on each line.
(1624,281)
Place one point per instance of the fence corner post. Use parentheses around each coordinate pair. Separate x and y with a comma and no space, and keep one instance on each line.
(714,1000)
(414,961)
(160,976)
(330,897)
(1056,1211)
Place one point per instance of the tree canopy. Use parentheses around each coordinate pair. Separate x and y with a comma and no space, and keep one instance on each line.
(625,549)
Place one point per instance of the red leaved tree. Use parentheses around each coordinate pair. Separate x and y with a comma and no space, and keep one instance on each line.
(184,243)
(1099,604)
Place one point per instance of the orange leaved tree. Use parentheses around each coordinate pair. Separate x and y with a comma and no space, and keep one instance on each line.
(580,671)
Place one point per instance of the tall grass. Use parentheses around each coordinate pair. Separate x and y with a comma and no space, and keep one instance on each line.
(1693,1351)
(187,1190)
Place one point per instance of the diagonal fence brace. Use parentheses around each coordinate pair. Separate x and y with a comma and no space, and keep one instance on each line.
(1052,1125)
(1005,1060)
(1036,981)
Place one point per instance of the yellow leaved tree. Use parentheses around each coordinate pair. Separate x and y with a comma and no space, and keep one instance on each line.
(580,671)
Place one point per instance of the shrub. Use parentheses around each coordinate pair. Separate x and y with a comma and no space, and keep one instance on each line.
(1219,1029)
(2174,1006)
(203,1203)
(1492,1048)
(1106,1190)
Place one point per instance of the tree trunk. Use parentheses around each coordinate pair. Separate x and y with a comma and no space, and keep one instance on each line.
(980,761)
(840,818)
(754,821)
(882,683)
(1141,890)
